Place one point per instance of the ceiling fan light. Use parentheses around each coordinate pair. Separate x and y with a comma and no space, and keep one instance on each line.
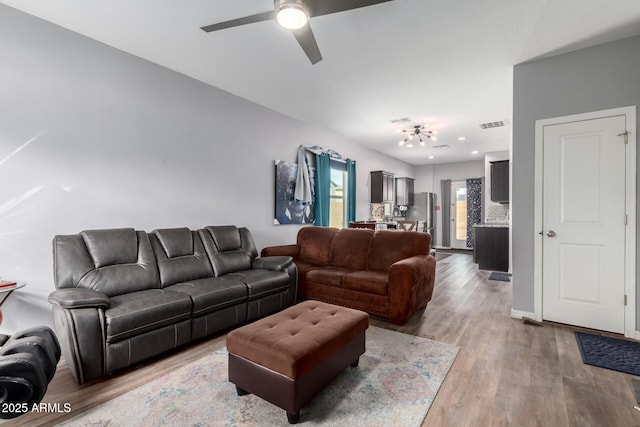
(401,143)
(291,14)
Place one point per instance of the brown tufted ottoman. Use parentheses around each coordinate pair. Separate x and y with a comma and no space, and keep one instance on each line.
(288,357)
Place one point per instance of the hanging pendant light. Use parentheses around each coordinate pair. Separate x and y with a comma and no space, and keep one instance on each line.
(418,132)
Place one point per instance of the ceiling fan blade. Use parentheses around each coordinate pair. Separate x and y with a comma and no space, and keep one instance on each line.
(325,7)
(308,43)
(264,16)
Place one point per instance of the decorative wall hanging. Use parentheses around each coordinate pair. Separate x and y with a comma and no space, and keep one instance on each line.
(287,209)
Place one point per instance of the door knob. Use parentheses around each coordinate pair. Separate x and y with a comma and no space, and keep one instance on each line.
(551,233)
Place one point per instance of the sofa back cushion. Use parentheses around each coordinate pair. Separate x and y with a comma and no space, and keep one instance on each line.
(349,248)
(111,247)
(180,255)
(388,247)
(113,261)
(315,244)
(229,248)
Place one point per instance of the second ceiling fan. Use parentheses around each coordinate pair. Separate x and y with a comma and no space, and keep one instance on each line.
(294,15)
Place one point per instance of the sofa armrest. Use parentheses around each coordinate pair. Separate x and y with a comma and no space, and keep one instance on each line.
(274,263)
(283,250)
(411,282)
(70,298)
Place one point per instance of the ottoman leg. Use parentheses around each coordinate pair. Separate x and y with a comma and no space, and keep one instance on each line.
(293,418)
(240,391)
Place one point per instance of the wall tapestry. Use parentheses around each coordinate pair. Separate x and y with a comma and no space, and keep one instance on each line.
(288,211)
(474,207)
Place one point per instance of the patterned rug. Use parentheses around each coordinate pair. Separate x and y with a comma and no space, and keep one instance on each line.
(396,381)
(610,353)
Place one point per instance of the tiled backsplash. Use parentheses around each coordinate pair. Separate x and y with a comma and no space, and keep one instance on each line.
(497,213)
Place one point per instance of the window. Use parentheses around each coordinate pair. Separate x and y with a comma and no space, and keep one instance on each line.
(337,200)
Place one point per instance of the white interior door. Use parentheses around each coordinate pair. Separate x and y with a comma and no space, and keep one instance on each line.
(583,223)
(458,215)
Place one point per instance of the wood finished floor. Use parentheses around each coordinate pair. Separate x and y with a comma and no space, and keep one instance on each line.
(506,373)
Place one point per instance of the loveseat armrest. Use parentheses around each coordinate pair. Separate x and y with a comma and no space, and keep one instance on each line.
(411,282)
(70,298)
(282,250)
(274,263)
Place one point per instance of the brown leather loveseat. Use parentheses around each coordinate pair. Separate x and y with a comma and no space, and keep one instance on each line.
(385,273)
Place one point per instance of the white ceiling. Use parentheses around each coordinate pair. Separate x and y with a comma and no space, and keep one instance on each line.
(443,62)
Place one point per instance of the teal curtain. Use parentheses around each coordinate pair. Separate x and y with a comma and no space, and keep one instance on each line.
(323,188)
(351,191)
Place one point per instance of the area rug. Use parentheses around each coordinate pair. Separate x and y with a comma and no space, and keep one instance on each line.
(502,277)
(396,381)
(610,353)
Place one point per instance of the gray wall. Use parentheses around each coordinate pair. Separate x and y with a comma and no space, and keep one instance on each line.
(597,78)
(92,137)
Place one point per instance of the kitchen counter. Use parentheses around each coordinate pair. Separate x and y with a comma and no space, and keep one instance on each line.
(492,224)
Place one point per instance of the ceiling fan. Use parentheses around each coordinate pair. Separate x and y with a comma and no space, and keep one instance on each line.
(294,16)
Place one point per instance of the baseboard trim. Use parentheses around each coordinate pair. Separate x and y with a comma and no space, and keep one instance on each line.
(519,314)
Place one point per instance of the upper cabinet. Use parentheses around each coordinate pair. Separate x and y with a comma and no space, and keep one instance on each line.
(500,181)
(382,187)
(404,191)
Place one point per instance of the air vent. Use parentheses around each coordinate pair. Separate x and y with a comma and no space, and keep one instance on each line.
(402,120)
(437,147)
(491,125)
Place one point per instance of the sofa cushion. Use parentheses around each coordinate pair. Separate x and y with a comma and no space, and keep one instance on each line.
(176,242)
(349,248)
(331,276)
(262,282)
(114,279)
(213,293)
(315,244)
(139,312)
(180,254)
(226,237)
(229,248)
(111,247)
(371,282)
(388,247)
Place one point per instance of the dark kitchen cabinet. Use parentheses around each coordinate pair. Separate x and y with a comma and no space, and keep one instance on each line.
(382,187)
(491,248)
(500,181)
(404,191)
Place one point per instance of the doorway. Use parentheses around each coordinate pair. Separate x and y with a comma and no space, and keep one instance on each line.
(585,220)
(458,213)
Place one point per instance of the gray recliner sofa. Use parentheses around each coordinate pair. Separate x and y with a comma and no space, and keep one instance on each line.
(124,295)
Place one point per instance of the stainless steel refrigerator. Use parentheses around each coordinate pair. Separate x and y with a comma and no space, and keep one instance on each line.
(423,210)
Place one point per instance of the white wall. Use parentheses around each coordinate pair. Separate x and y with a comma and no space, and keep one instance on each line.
(428,179)
(91,137)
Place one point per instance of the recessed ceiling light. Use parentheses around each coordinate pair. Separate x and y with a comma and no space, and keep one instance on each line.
(431,157)
(474,152)
(409,145)
(462,138)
